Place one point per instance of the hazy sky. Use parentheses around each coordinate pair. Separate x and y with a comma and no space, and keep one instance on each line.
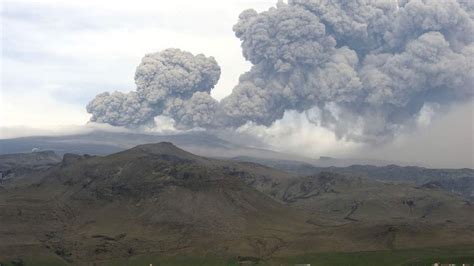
(57,55)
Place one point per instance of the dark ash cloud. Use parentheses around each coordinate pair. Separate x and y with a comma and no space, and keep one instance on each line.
(369,67)
(166,81)
(120,109)
(363,69)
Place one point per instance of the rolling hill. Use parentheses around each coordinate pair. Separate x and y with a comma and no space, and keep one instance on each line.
(161,200)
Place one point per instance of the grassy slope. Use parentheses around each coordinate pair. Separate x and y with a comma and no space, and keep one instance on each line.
(410,257)
(417,257)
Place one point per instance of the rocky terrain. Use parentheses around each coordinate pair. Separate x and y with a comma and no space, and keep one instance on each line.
(159,199)
(16,165)
(458,181)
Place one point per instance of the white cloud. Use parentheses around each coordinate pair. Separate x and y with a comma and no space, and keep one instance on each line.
(295,134)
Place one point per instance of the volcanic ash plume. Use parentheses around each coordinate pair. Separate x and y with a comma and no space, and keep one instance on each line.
(120,109)
(165,82)
(363,69)
(368,67)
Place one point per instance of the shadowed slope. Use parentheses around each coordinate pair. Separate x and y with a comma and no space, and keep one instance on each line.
(159,199)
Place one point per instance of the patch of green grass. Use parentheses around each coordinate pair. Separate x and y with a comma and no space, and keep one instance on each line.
(145,260)
(36,261)
(443,260)
(411,257)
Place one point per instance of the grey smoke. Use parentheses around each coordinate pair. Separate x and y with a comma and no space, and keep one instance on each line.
(166,82)
(173,73)
(120,109)
(363,69)
(198,111)
(368,67)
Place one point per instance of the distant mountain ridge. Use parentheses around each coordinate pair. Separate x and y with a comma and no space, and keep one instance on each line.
(12,165)
(459,181)
(103,143)
(201,143)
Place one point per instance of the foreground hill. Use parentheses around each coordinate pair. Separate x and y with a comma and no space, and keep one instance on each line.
(159,199)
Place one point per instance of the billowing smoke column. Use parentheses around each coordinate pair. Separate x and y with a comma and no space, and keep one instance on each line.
(170,83)
(364,69)
(120,109)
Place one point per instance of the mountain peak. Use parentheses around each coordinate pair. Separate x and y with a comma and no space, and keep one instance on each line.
(160,147)
(163,148)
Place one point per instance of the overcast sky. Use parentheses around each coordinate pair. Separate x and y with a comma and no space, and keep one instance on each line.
(57,55)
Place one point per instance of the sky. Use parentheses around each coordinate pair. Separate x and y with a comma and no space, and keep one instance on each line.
(57,55)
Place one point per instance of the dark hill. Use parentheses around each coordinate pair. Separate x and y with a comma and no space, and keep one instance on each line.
(159,199)
(14,165)
(457,181)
